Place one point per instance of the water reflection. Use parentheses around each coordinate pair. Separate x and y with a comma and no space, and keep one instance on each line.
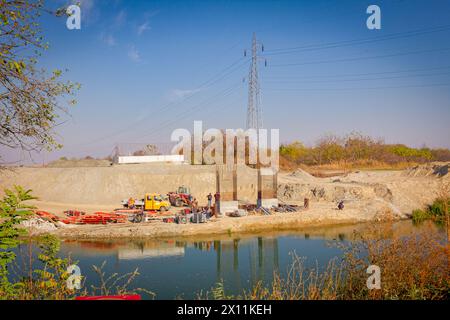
(184,267)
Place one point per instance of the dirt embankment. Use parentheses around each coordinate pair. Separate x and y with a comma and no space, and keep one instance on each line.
(370,192)
(367,195)
(106,186)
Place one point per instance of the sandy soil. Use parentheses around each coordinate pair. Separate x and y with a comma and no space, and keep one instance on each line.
(368,196)
(320,215)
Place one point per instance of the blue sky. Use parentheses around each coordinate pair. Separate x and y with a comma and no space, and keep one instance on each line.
(149,67)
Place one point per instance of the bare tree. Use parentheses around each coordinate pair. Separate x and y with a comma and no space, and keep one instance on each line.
(148,150)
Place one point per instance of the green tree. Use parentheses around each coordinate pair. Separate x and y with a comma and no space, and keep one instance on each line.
(30,98)
(12,212)
(294,151)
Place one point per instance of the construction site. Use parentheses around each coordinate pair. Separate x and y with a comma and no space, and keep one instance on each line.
(154,191)
(224,150)
(115,200)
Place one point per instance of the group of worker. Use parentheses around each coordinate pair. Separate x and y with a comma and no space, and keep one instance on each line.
(209,197)
(194,203)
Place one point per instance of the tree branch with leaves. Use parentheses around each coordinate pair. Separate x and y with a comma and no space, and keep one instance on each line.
(31,99)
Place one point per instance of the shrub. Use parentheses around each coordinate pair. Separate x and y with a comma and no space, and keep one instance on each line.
(437,212)
(357,148)
(419,215)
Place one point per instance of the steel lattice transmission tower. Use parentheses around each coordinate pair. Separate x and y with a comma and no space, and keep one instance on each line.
(254,117)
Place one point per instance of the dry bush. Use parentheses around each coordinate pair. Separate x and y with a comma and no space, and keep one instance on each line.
(300,283)
(412,267)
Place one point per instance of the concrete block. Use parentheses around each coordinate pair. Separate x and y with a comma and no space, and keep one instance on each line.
(268,203)
(228,206)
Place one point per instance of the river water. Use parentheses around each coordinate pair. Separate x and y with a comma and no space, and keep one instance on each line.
(183,268)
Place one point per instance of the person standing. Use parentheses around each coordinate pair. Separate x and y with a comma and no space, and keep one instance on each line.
(217,203)
(209,197)
(306,203)
(194,205)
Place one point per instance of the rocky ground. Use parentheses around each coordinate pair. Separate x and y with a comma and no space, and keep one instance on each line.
(373,193)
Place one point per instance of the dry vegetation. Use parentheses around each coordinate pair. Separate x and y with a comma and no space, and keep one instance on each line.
(414,267)
(356,151)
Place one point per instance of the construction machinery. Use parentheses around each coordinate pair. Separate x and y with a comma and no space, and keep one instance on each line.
(181,197)
(151,202)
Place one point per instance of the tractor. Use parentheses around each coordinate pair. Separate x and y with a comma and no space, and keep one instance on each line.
(182,197)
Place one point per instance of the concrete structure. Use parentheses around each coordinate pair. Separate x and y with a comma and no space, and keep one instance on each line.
(226,185)
(173,158)
(267,188)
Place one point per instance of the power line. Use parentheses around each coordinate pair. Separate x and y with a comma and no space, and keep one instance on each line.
(213,107)
(363,74)
(361,88)
(223,94)
(361,58)
(208,83)
(346,43)
(359,79)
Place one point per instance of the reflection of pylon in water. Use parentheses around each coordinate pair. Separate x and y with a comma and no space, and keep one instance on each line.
(254,119)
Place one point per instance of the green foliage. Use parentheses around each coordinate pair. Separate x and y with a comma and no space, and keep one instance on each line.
(12,212)
(419,215)
(440,208)
(46,283)
(437,212)
(410,153)
(50,281)
(31,99)
(294,150)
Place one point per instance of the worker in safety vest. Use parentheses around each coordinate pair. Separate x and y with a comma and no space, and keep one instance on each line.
(131,203)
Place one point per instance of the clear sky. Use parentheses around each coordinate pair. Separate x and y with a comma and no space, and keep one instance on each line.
(149,67)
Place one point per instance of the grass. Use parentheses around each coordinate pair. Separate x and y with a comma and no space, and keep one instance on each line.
(437,211)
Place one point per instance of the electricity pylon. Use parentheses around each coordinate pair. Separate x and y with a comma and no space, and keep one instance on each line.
(254,118)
